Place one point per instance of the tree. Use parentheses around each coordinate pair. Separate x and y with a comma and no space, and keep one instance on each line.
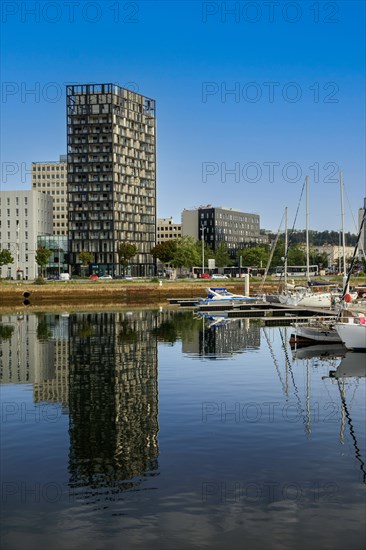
(165,251)
(222,255)
(296,256)
(255,256)
(126,251)
(42,256)
(5,258)
(207,250)
(186,254)
(86,258)
(320,259)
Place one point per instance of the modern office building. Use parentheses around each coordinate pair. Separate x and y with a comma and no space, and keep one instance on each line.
(111,135)
(23,216)
(167,229)
(51,178)
(223,225)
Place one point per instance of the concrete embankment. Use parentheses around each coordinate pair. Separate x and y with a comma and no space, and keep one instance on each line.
(15,295)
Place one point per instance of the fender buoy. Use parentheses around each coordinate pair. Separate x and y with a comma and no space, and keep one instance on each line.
(347,298)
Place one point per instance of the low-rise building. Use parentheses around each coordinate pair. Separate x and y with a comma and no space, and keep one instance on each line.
(167,229)
(334,254)
(23,216)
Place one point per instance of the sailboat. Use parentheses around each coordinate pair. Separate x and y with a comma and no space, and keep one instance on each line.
(304,296)
(351,326)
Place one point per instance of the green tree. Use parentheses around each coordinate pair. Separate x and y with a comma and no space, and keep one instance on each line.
(5,258)
(42,256)
(208,252)
(296,256)
(222,256)
(319,258)
(86,258)
(165,251)
(186,254)
(126,251)
(255,256)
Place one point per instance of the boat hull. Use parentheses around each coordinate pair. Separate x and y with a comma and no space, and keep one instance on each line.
(352,335)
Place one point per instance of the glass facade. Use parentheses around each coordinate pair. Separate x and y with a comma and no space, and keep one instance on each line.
(59,246)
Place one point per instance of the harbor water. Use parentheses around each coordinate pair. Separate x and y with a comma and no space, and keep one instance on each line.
(149,429)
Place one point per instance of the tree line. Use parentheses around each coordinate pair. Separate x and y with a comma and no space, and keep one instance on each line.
(317,238)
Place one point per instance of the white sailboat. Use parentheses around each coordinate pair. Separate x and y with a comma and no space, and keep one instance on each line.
(305,297)
(351,325)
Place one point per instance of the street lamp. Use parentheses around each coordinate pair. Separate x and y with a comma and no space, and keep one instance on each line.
(203,247)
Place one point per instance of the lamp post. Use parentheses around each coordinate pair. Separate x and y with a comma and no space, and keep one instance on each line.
(203,247)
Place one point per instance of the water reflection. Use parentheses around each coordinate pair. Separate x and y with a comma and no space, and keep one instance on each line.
(345,369)
(113,399)
(281,441)
(212,337)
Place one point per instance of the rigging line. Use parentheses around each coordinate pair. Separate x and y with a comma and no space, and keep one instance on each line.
(352,262)
(292,231)
(352,433)
(296,391)
(354,221)
(271,256)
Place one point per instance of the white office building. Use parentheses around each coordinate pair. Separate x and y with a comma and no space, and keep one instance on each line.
(23,216)
(51,177)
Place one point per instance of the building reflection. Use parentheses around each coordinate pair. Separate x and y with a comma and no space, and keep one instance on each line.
(113,399)
(34,350)
(102,369)
(221,337)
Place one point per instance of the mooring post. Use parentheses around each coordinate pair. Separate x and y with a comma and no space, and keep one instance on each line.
(246,284)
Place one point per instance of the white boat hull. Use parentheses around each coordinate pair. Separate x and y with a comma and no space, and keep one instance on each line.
(352,335)
(308,299)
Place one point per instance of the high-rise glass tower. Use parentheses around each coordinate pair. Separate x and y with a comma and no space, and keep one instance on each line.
(111,140)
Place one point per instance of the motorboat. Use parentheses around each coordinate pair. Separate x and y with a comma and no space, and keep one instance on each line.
(223,295)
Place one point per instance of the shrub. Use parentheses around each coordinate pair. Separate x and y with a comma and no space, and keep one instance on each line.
(39,281)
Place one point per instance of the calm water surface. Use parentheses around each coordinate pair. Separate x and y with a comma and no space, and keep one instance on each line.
(158,429)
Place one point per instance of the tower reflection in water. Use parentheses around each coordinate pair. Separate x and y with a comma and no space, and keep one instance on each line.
(113,400)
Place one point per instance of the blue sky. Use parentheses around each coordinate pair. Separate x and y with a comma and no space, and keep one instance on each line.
(296,71)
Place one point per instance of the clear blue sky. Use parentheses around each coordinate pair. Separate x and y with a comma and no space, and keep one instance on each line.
(298,71)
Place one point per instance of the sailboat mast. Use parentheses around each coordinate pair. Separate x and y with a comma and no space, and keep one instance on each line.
(342,229)
(286,247)
(307,230)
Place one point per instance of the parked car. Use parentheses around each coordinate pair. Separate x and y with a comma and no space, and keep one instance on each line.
(104,277)
(93,277)
(205,276)
(219,276)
